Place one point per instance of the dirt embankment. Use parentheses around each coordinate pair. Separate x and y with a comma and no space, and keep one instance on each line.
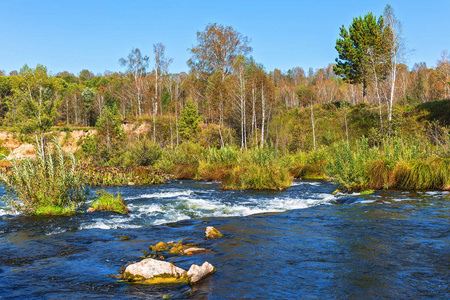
(68,140)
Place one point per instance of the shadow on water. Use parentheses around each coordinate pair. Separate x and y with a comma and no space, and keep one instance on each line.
(301,243)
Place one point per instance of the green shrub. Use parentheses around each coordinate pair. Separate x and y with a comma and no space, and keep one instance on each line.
(46,185)
(145,153)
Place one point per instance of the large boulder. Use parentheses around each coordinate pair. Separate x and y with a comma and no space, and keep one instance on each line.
(152,271)
(212,233)
(197,273)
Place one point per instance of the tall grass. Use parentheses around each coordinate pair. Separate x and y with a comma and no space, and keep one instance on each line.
(258,168)
(48,184)
(182,162)
(145,153)
(307,165)
(395,163)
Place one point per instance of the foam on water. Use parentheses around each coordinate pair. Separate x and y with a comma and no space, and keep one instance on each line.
(184,207)
(160,195)
(166,204)
(433,193)
(145,209)
(313,183)
(366,201)
(174,217)
(113,223)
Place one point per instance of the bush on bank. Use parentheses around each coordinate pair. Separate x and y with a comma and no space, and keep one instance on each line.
(48,184)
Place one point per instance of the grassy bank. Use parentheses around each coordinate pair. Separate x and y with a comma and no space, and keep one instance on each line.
(394,163)
(351,149)
(235,168)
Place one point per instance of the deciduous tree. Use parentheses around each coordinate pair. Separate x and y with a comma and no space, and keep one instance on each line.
(397,49)
(136,64)
(35,98)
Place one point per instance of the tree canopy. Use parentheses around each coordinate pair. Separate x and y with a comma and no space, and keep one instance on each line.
(364,49)
(217,48)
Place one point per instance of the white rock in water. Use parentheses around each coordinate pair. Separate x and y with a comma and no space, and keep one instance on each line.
(197,273)
(149,268)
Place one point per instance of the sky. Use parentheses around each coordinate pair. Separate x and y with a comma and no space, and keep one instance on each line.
(88,34)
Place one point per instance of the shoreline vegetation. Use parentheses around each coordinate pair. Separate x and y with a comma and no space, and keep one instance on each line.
(415,156)
(366,122)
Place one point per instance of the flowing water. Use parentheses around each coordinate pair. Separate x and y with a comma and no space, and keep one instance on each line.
(300,243)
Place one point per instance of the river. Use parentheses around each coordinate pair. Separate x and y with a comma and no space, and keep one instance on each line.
(302,243)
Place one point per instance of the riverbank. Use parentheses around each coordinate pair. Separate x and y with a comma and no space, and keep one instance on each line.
(398,163)
(348,147)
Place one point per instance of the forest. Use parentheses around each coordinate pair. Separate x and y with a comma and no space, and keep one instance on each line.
(366,121)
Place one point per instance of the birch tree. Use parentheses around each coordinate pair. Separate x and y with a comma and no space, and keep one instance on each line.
(307,96)
(239,95)
(217,48)
(161,67)
(136,64)
(397,51)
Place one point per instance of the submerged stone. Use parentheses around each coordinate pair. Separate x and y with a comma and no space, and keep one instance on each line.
(212,233)
(161,246)
(193,250)
(197,273)
(177,248)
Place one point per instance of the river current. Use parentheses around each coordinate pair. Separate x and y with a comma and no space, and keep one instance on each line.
(303,243)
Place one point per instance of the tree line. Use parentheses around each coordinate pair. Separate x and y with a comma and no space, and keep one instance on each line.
(232,97)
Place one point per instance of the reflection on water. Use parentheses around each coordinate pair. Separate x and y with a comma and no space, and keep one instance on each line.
(301,243)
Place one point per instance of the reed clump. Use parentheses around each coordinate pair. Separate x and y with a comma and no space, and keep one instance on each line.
(182,162)
(433,173)
(394,163)
(257,177)
(308,165)
(105,201)
(258,168)
(48,184)
(145,153)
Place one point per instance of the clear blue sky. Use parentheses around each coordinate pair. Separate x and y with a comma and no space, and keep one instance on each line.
(75,35)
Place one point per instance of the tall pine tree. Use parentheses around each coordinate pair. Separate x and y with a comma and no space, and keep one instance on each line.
(364,50)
